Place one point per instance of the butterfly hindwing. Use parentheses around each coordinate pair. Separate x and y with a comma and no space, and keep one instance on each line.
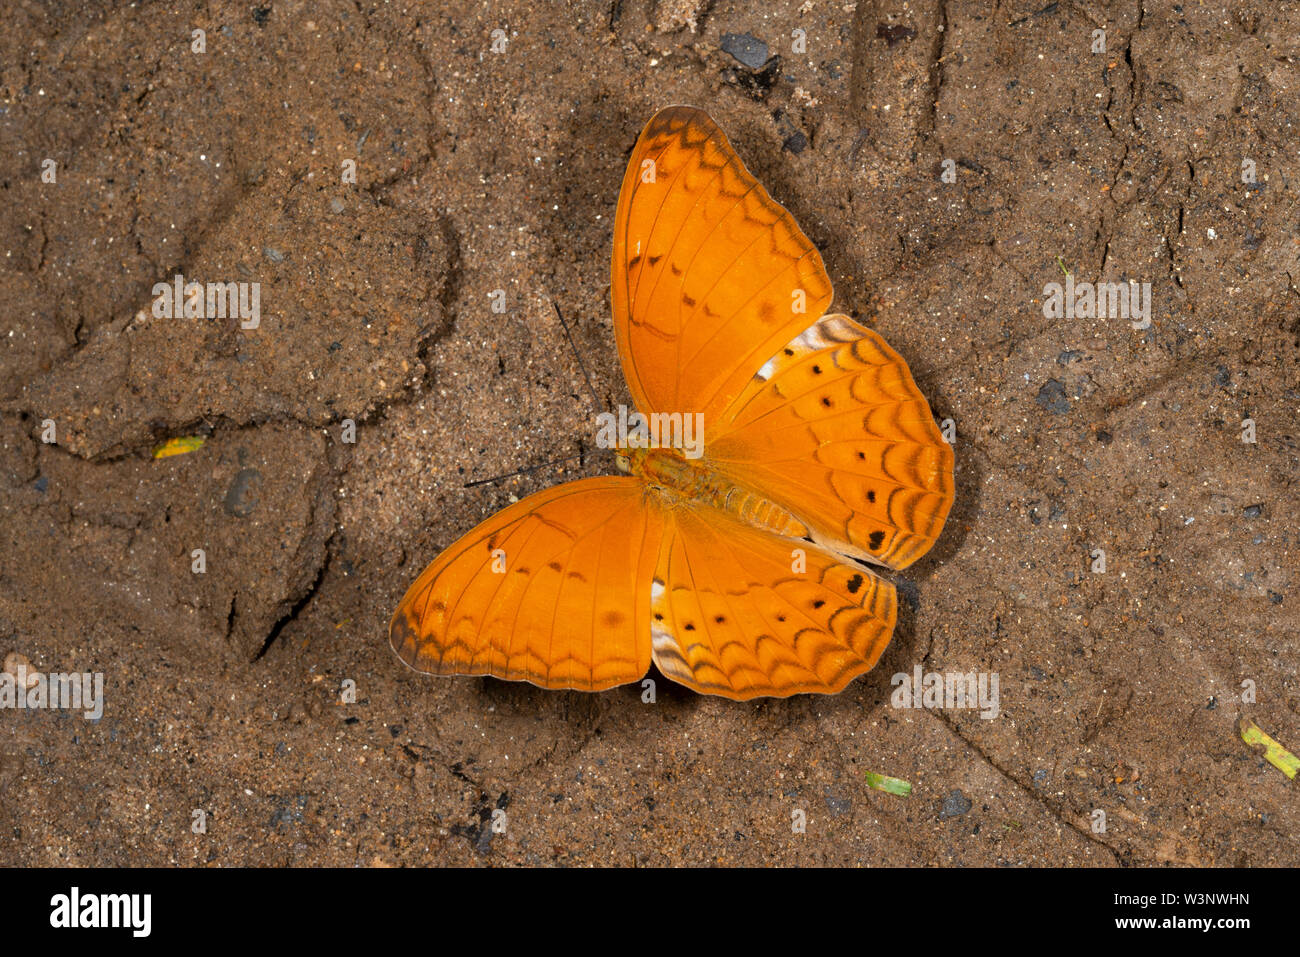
(741,612)
(554,590)
(834,429)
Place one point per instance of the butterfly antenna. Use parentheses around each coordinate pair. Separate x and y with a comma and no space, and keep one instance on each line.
(581,365)
(580,456)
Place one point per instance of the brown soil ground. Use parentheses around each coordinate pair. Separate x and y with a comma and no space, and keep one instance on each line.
(481,170)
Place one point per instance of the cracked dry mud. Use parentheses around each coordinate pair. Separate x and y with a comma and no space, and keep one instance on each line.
(479,171)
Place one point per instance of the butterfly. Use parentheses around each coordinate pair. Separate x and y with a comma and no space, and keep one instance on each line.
(742,572)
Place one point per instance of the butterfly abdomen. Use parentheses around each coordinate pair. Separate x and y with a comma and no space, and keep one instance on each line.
(761,512)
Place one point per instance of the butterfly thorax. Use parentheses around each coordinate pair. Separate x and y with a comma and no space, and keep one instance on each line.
(667,469)
(677,477)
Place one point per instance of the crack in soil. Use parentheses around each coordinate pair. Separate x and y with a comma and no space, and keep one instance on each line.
(1025,789)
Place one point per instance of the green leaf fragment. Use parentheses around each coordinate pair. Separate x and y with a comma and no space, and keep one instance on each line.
(880,782)
(1274,753)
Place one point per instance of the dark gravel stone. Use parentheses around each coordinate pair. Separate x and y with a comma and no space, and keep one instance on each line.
(894,34)
(1052,397)
(955,805)
(796,143)
(748,49)
(838,806)
(242,496)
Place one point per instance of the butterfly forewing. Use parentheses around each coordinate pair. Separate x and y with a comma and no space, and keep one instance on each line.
(554,590)
(710,274)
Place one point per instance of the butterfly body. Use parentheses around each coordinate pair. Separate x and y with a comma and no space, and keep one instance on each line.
(737,571)
(679,479)
(670,470)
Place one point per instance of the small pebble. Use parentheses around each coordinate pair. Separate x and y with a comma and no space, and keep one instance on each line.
(748,49)
(838,806)
(1052,397)
(955,805)
(894,34)
(14,661)
(242,497)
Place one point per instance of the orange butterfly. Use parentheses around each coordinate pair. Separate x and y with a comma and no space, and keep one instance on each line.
(733,572)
